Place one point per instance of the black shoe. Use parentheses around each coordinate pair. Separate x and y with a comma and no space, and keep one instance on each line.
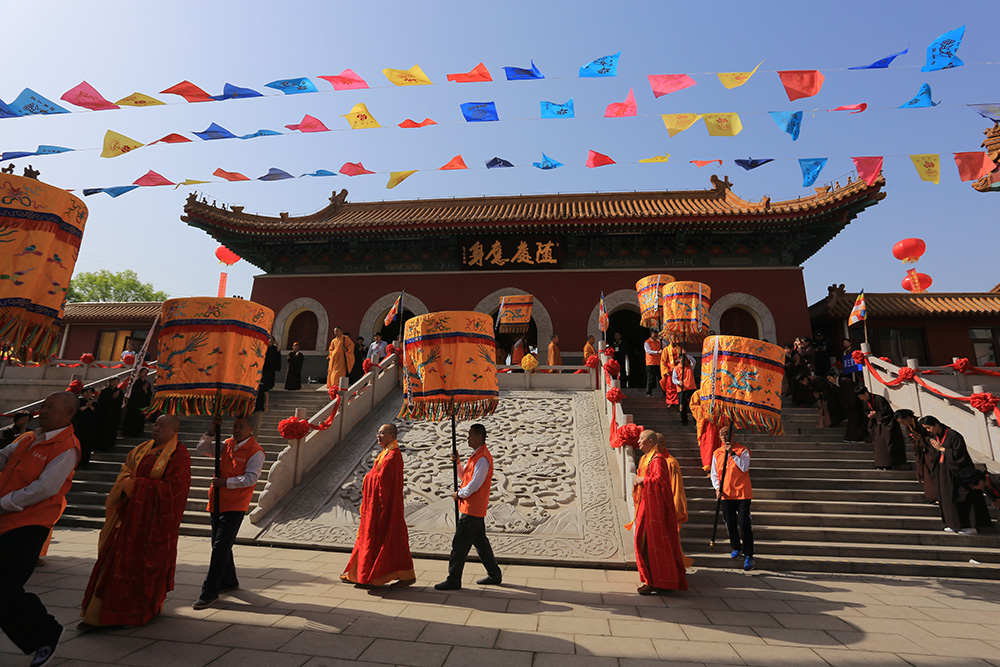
(448,585)
(204,603)
(45,653)
(228,589)
(490,581)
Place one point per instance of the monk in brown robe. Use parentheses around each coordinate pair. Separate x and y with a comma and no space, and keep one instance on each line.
(887,438)
(924,453)
(963,510)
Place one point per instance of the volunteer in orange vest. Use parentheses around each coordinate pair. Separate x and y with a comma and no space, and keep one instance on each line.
(473,499)
(732,461)
(683,378)
(36,471)
(653,352)
(242,459)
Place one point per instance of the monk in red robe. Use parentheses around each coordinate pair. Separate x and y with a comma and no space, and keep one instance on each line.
(382,551)
(668,359)
(137,548)
(708,432)
(657,543)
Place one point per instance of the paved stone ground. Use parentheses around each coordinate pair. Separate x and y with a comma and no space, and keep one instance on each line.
(292,610)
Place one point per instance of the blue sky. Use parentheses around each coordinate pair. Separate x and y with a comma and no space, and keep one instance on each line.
(147,47)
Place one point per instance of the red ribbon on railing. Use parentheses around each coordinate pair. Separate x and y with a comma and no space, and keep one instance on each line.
(984,402)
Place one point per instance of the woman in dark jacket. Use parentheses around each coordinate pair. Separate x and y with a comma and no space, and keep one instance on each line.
(963,510)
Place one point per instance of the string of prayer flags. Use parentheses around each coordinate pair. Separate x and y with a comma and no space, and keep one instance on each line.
(547,162)
(138,100)
(189,181)
(42,150)
(114,192)
(172,138)
(13,155)
(753,163)
(622,109)
(214,131)
(86,96)
(318,173)
(360,118)
(189,92)
(553,110)
(788,121)
(346,80)
(851,108)
(479,112)
(603,66)
(307,124)
(354,169)
(229,175)
(408,123)
(990,111)
(941,54)
(407,77)
(477,74)
(868,168)
(664,84)
(723,124)
(737,79)
(973,165)
(293,86)
(30,103)
(397,177)
(928,166)
(231,92)
(884,62)
(151,178)
(656,158)
(921,99)
(272,133)
(497,162)
(7,112)
(275,174)
(116,144)
(801,83)
(678,122)
(810,169)
(595,159)
(702,163)
(519,74)
(455,163)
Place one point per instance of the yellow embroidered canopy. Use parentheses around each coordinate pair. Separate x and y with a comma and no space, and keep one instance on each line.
(449,366)
(741,382)
(41,228)
(649,290)
(685,311)
(515,313)
(210,348)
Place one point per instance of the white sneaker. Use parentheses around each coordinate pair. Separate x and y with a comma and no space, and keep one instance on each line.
(968,531)
(948,530)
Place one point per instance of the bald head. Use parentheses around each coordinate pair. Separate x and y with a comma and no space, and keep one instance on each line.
(57,410)
(165,428)
(647,440)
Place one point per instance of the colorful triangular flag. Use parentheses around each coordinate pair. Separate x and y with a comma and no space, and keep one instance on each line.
(360,118)
(479,112)
(189,92)
(868,168)
(407,77)
(622,109)
(86,96)
(138,100)
(664,84)
(520,74)
(397,177)
(229,175)
(478,73)
(547,163)
(737,79)
(151,178)
(455,163)
(941,54)
(723,124)
(346,80)
(810,170)
(678,122)
(928,166)
(595,159)
(354,169)
(801,83)
(309,124)
(603,66)
(553,110)
(293,86)
(116,144)
(921,99)
(884,62)
(788,121)
(409,124)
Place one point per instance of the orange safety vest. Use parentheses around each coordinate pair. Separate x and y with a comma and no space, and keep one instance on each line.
(234,464)
(653,359)
(736,485)
(24,467)
(476,504)
(686,378)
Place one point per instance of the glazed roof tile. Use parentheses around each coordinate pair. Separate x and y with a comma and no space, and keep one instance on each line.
(95,312)
(910,305)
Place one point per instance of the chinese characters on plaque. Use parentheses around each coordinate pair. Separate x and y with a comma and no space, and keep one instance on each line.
(484,253)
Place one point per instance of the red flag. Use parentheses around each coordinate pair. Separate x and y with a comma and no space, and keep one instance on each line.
(853,108)
(309,124)
(455,163)
(478,73)
(868,168)
(354,169)
(702,163)
(801,82)
(595,159)
(229,175)
(189,92)
(622,109)
(84,95)
(664,84)
(152,178)
(973,165)
(346,80)
(412,123)
(173,138)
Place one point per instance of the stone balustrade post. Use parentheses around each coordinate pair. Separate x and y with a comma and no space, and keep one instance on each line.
(918,408)
(343,407)
(298,461)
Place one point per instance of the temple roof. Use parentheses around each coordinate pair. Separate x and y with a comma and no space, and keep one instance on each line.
(99,312)
(838,304)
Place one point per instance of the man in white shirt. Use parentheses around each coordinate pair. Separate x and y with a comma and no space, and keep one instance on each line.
(376,351)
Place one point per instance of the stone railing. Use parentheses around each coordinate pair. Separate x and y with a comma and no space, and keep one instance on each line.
(13,392)
(566,379)
(624,458)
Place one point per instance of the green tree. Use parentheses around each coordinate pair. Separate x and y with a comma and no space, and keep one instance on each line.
(104,285)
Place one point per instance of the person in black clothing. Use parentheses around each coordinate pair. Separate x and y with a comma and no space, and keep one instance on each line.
(924,453)
(293,380)
(887,438)
(987,483)
(857,424)
(135,418)
(620,350)
(272,364)
(355,372)
(963,510)
(18,428)
(109,414)
(85,425)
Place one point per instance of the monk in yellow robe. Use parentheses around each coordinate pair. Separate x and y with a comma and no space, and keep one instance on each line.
(677,486)
(555,356)
(588,349)
(668,359)
(341,358)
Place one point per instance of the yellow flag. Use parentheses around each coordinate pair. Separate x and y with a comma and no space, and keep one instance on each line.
(138,100)
(737,79)
(723,124)
(656,158)
(678,122)
(397,177)
(189,181)
(928,166)
(407,77)
(360,118)
(118,144)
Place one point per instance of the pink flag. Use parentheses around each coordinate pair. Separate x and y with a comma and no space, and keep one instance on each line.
(702,163)
(346,80)
(189,92)
(455,163)
(229,175)
(309,124)
(87,97)
(354,169)
(412,123)
(801,82)
(868,168)
(152,178)
(173,138)
(664,84)
(973,165)
(621,109)
(853,108)
(478,73)
(595,159)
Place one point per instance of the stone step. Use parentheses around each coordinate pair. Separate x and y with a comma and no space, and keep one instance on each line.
(849,565)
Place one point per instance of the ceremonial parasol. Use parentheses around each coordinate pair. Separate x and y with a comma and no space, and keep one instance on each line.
(685,311)
(514,315)
(449,370)
(741,383)
(649,290)
(41,227)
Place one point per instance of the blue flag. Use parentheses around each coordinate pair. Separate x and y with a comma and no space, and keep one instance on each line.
(231,92)
(922,99)
(519,74)
(13,155)
(606,66)
(91,191)
(753,163)
(214,132)
(30,103)
(941,52)
(7,112)
(497,162)
(479,112)
(261,133)
(52,150)
(810,170)
(275,174)
(788,121)
(553,110)
(293,86)
(882,64)
(991,111)
(547,163)
(319,172)
(119,190)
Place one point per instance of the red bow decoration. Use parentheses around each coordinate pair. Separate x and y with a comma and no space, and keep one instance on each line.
(75,386)
(129,359)
(627,435)
(390,349)
(906,374)
(885,359)
(961,365)
(86,358)
(615,395)
(366,365)
(858,356)
(608,352)
(592,361)
(984,401)
(293,428)
(612,368)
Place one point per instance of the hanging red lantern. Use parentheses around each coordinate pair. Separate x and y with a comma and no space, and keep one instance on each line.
(227,256)
(908,251)
(916,282)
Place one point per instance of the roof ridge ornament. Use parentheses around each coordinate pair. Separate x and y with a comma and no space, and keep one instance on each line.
(338,199)
(721,184)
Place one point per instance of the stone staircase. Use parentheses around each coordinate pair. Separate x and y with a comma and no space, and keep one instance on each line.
(85,500)
(820,505)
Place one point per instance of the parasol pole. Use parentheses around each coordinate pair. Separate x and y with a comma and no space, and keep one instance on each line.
(217,420)
(722,485)
(454,468)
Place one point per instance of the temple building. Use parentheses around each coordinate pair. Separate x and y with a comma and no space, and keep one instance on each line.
(346,264)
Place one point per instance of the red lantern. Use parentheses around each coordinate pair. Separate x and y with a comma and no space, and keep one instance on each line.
(908,251)
(227,256)
(916,282)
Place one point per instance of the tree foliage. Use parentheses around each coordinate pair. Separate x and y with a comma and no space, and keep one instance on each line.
(104,285)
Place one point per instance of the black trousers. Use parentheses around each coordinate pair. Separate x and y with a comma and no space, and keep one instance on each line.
(471,531)
(23,617)
(738,524)
(652,379)
(221,568)
(684,398)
